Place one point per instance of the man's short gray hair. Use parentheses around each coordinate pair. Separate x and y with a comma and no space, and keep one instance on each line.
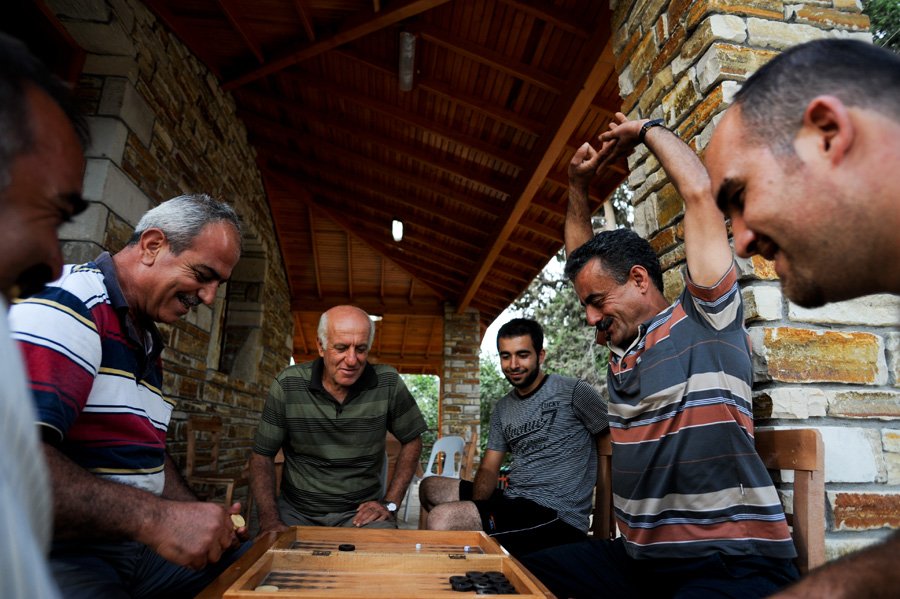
(322,331)
(183,217)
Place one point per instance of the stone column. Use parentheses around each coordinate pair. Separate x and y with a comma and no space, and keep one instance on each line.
(460,402)
(835,368)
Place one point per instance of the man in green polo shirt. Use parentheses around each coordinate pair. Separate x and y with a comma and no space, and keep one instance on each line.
(331,416)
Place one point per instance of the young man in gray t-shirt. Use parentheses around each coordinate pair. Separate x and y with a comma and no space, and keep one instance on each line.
(549,424)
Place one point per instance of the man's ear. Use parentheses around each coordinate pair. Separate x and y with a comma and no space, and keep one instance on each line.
(641,277)
(319,345)
(827,131)
(541,355)
(150,244)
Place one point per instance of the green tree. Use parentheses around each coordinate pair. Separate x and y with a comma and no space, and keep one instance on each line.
(493,386)
(885,22)
(424,388)
(571,351)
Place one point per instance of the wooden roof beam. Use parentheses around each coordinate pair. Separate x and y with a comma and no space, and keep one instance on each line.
(507,157)
(349,267)
(305,18)
(354,28)
(235,23)
(439,88)
(550,14)
(492,59)
(429,159)
(371,304)
(423,261)
(315,252)
(481,202)
(592,75)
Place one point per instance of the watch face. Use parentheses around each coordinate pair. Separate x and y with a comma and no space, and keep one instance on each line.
(391,507)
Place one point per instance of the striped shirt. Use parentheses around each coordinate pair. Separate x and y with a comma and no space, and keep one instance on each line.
(26,502)
(687,480)
(550,433)
(334,452)
(98,391)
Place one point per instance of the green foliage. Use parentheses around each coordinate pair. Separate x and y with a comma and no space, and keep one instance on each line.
(885,22)
(493,386)
(551,300)
(424,388)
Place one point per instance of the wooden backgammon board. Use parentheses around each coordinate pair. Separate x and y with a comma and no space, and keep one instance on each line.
(308,562)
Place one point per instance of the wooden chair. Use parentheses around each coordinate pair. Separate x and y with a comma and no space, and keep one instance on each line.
(202,468)
(800,450)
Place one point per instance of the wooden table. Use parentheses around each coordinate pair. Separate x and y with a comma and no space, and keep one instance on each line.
(307,562)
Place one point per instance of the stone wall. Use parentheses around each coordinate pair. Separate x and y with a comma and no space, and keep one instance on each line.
(835,368)
(460,383)
(162,127)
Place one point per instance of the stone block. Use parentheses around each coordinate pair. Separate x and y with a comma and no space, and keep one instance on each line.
(101,37)
(80,10)
(644,53)
(669,205)
(892,343)
(108,138)
(881,310)
(623,58)
(725,61)
(649,12)
(838,548)
(804,355)
(852,455)
(756,267)
(848,5)
(661,82)
(798,403)
(79,252)
(121,99)
(892,464)
(626,82)
(673,283)
(683,97)
(765,9)
(864,511)
(104,182)
(673,258)
(111,66)
(728,89)
(715,28)
(864,403)
(829,18)
(90,225)
(698,118)
(762,302)
(663,240)
(778,35)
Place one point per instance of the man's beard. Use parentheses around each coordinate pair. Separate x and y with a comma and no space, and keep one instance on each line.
(527,381)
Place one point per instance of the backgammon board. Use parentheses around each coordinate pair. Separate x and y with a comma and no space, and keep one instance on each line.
(350,563)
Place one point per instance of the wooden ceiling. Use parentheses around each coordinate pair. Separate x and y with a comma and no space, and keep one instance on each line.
(472,159)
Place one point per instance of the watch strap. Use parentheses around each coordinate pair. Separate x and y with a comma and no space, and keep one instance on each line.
(649,125)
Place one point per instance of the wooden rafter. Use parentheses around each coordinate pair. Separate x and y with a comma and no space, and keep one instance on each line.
(315,251)
(350,267)
(371,304)
(493,59)
(235,22)
(594,74)
(355,28)
(550,13)
(305,18)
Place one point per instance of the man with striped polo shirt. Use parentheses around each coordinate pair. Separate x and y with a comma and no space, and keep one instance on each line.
(548,423)
(331,417)
(696,509)
(126,523)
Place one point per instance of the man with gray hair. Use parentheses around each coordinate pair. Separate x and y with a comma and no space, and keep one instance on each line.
(42,138)
(126,524)
(331,417)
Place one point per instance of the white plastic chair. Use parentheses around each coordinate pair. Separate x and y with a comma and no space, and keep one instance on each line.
(453,448)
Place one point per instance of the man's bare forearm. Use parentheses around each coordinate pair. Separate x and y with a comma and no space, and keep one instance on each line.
(262,485)
(87,506)
(578,230)
(404,469)
(871,573)
(176,488)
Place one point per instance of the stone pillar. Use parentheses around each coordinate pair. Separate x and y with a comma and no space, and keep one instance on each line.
(835,368)
(460,401)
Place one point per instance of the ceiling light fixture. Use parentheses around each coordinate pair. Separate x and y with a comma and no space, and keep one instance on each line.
(407,60)
(397,229)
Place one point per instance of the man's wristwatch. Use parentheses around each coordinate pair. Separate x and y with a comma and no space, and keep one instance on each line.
(650,125)
(389,506)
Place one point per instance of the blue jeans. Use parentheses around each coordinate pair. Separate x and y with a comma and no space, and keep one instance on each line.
(601,568)
(128,569)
